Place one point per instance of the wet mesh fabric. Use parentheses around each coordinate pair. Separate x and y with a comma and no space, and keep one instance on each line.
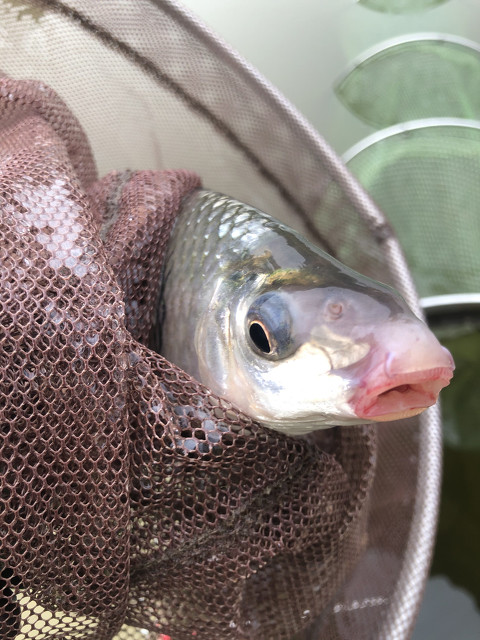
(129,492)
(134,504)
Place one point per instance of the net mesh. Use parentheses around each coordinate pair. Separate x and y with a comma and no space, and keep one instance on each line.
(134,503)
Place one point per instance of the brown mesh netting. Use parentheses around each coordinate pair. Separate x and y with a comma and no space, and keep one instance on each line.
(129,493)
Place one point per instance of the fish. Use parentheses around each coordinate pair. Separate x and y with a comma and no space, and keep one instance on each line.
(283,331)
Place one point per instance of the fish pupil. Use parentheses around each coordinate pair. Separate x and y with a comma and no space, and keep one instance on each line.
(259,337)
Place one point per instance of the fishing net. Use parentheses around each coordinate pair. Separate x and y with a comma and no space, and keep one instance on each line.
(134,503)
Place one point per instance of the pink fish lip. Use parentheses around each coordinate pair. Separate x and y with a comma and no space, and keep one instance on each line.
(382,397)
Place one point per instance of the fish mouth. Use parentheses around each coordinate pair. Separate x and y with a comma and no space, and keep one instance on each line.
(385,398)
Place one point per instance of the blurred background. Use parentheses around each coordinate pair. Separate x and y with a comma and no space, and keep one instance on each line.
(394,86)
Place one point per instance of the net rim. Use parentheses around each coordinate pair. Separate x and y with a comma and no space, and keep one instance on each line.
(405,600)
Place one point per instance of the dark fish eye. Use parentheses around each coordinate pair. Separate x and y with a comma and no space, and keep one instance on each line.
(260,337)
(269,326)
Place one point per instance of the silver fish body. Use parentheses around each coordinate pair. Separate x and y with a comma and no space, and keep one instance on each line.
(288,334)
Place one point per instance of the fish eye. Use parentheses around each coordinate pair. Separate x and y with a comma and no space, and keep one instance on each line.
(269,326)
(259,337)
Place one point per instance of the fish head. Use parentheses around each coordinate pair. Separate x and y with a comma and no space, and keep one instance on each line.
(307,356)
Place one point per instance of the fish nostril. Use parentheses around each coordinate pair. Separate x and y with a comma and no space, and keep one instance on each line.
(335,309)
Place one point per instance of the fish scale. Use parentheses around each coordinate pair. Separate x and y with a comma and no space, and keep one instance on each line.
(194,257)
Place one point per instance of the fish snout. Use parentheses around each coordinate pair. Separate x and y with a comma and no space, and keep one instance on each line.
(409,369)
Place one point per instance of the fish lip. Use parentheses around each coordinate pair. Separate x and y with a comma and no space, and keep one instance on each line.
(381,397)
